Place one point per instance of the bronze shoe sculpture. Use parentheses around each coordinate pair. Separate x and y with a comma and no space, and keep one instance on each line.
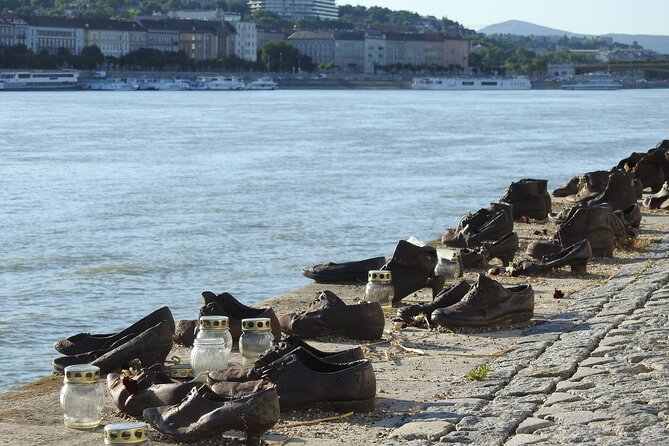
(278,351)
(660,199)
(149,347)
(504,249)
(474,222)
(446,298)
(576,256)
(530,198)
(343,272)
(569,188)
(619,193)
(593,184)
(225,304)
(204,413)
(304,381)
(653,168)
(593,223)
(488,304)
(412,269)
(541,248)
(485,225)
(131,395)
(328,315)
(86,342)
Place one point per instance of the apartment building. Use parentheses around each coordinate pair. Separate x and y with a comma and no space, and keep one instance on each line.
(298,9)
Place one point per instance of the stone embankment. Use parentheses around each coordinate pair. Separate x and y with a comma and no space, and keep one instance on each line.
(596,374)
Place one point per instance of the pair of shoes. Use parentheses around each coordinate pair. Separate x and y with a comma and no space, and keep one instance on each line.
(343,272)
(446,298)
(304,381)
(225,304)
(281,349)
(487,224)
(576,256)
(488,304)
(653,168)
(504,249)
(209,411)
(328,315)
(148,340)
(530,198)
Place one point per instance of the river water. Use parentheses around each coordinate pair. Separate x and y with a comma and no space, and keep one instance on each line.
(117,203)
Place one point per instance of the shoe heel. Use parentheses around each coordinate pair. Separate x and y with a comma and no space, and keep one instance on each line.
(506,260)
(254,437)
(579,267)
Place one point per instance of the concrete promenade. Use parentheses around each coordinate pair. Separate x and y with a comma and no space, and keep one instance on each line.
(596,374)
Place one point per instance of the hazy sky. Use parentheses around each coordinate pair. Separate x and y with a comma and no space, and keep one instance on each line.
(578,16)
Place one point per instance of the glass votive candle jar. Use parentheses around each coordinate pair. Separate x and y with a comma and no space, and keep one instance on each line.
(379,287)
(82,397)
(135,433)
(215,327)
(255,340)
(208,354)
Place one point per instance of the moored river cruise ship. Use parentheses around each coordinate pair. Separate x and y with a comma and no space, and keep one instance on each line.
(39,80)
(474,83)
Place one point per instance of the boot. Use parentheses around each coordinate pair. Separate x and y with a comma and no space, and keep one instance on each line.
(495,229)
(473,223)
(529,198)
(225,304)
(576,256)
(619,193)
(541,248)
(412,269)
(593,184)
(592,223)
(653,169)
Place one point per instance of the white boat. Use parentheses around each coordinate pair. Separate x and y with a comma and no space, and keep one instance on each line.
(264,83)
(473,83)
(594,81)
(113,84)
(162,84)
(224,83)
(39,80)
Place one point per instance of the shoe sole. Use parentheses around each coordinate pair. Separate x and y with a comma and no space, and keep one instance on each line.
(508,319)
(337,406)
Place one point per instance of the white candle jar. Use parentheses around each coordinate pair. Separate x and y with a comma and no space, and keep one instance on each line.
(215,327)
(82,397)
(379,287)
(208,354)
(255,340)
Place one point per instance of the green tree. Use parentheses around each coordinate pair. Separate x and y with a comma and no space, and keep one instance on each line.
(277,55)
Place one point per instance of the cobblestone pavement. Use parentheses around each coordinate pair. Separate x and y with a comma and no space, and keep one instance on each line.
(597,374)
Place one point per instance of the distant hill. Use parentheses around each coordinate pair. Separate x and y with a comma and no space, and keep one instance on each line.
(520,28)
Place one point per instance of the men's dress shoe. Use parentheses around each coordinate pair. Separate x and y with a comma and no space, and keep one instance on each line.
(278,351)
(447,297)
(86,342)
(412,269)
(576,256)
(204,413)
(569,188)
(343,272)
(149,347)
(593,184)
(305,381)
(328,315)
(225,304)
(488,304)
(619,193)
(504,249)
(530,198)
(656,201)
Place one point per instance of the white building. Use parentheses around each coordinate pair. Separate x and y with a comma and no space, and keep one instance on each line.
(246,44)
(298,9)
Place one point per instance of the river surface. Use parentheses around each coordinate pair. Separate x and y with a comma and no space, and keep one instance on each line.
(117,203)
